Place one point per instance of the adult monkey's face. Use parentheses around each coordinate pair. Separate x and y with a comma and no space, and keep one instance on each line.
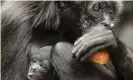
(103,13)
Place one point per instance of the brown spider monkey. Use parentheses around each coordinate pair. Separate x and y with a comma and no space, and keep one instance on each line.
(28,26)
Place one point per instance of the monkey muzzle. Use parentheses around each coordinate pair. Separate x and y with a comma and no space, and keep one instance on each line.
(31,76)
(107,24)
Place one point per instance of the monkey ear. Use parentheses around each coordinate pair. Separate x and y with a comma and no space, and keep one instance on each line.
(47,16)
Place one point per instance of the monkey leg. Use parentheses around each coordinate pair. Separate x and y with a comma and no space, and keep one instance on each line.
(68,68)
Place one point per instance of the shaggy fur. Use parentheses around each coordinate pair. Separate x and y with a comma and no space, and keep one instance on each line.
(28,26)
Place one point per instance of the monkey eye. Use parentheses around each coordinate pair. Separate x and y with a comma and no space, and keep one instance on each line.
(111,10)
(96,7)
(41,65)
(34,60)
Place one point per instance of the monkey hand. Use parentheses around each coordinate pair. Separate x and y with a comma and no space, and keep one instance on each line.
(93,41)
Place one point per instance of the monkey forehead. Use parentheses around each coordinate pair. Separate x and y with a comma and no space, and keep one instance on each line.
(43,53)
(117,4)
(46,49)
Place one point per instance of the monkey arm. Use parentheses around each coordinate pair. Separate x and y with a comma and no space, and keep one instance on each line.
(122,59)
(93,41)
(67,68)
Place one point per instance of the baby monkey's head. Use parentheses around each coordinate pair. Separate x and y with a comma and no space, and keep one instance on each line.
(40,64)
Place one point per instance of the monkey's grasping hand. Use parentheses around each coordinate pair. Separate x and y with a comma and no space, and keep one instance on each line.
(96,39)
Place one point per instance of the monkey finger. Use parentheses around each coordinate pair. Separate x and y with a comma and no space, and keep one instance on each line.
(89,36)
(76,48)
(78,41)
(94,50)
(81,52)
(88,46)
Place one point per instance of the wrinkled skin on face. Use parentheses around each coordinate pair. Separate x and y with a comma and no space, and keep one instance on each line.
(100,13)
(40,64)
(97,21)
(37,71)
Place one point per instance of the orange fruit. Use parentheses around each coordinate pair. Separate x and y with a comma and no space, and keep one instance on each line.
(101,57)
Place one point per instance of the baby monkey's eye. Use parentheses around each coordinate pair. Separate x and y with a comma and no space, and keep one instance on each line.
(41,65)
(111,10)
(34,60)
(96,7)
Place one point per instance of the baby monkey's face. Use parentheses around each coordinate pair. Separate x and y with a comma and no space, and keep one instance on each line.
(38,68)
(40,64)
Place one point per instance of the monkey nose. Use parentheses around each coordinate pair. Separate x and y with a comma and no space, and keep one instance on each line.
(33,69)
(106,24)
